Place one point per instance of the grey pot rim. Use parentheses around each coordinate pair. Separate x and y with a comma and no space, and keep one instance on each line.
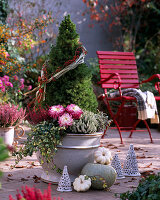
(84,134)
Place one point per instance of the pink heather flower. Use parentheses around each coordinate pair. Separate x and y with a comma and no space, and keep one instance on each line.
(21,86)
(6,78)
(22,80)
(15,77)
(29,87)
(74,110)
(65,120)
(56,111)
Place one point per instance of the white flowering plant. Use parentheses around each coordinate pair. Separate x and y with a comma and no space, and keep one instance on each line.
(53,124)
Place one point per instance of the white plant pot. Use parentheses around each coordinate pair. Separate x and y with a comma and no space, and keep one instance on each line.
(8,135)
(76,151)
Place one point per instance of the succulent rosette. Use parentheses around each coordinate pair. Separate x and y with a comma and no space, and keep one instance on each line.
(74,110)
(56,111)
(65,120)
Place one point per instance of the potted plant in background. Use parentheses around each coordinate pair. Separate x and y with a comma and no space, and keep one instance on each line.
(11,113)
(10,117)
(63,136)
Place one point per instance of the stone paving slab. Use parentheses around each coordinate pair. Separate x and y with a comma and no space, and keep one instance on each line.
(28,171)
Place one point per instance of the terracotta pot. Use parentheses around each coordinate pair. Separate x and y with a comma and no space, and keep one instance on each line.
(76,151)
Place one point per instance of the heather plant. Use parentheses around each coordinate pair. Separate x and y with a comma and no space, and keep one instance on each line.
(32,193)
(10,115)
(35,116)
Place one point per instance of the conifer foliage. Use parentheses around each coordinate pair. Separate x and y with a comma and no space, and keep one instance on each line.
(75,86)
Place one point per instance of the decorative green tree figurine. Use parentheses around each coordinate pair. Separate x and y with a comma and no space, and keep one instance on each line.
(74,86)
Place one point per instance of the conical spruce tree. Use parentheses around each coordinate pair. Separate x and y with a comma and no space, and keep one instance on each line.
(75,86)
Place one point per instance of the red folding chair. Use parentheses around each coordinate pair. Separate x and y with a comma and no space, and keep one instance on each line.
(118,70)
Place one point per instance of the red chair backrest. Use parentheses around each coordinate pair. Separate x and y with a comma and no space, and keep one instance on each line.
(123,63)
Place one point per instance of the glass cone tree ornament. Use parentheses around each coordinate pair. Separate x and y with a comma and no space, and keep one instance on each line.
(64,184)
(130,167)
(116,164)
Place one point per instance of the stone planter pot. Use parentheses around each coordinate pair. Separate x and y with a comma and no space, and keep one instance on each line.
(8,134)
(76,150)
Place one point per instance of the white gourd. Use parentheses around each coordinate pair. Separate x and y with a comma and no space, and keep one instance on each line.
(103,156)
(82,183)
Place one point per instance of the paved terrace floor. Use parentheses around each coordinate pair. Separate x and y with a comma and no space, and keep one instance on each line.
(28,171)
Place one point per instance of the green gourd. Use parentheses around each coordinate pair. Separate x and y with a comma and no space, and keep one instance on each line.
(102,176)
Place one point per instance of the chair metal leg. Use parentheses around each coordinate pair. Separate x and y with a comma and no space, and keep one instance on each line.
(134,127)
(114,120)
(148,130)
(146,124)
(119,130)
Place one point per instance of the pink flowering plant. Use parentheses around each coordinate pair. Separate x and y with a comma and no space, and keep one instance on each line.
(12,89)
(10,115)
(53,124)
(32,193)
(56,111)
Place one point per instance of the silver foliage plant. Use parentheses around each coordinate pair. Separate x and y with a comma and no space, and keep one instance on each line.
(89,123)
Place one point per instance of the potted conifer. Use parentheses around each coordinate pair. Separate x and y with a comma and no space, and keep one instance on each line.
(69,131)
(75,87)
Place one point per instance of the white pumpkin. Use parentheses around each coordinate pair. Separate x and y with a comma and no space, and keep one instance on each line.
(102,156)
(82,183)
